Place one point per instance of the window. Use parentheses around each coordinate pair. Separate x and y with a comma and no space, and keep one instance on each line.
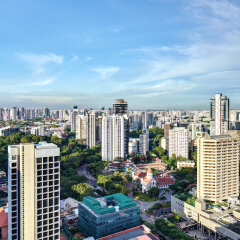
(39,160)
(39,204)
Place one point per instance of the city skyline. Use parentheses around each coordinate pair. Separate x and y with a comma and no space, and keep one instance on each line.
(156,54)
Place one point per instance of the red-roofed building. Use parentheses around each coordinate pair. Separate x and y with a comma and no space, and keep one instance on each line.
(3,224)
(136,233)
(165,182)
(145,179)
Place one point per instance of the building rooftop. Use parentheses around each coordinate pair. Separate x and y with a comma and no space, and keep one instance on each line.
(108,204)
(136,233)
(43,145)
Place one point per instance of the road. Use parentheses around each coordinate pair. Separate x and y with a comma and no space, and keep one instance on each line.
(144,206)
(83,171)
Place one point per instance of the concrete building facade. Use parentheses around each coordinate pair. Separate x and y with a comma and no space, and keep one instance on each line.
(179,142)
(218,167)
(219,114)
(34,187)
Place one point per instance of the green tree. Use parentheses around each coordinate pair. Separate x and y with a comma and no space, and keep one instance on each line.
(153,192)
(102,180)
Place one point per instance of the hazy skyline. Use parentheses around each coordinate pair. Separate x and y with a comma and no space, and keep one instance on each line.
(156,54)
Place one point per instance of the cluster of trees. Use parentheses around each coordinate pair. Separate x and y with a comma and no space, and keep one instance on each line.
(155,135)
(115,183)
(184,177)
(81,190)
(175,218)
(169,229)
(158,206)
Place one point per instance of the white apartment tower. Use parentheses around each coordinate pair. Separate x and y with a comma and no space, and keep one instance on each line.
(81,132)
(114,137)
(218,167)
(144,142)
(34,191)
(219,114)
(178,142)
(87,128)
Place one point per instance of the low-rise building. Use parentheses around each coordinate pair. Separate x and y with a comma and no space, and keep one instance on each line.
(99,217)
(6,131)
(221,221)
(140,232)
(145,179)
(133,146)
(164,182)
(185,164)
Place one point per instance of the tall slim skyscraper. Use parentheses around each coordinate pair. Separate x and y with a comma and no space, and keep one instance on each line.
(144,142)
(218,167)
(34,191)
(73,120)
(120,107)
(115,137)
(219,114)
(92,134)
(179,142)
(82,127)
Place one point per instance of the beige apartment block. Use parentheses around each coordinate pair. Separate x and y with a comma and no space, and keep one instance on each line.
(218,167)
(34,191)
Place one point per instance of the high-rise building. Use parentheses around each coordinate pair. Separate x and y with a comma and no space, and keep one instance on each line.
(13,114)
(144,142)
(1,114)
(99,217)
(73,120)
(167,127)
(34,191)
(219,114)
(46,112)
(144,119)
(179,142)
(87,129)
(120,107)
(82,127)
(115,137)
(218,167)
(92,134)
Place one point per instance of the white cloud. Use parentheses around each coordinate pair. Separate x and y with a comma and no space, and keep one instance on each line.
(88,58)
(211,59)
(39,62)
(106,72)
(74,58)
(41,82)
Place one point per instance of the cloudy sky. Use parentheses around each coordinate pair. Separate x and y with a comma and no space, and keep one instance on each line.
(157,54)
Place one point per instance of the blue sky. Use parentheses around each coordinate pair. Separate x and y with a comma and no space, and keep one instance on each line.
(157,54)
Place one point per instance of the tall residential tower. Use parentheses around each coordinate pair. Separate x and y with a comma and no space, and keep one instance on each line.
(34,191)
(218,167)
(219,114)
